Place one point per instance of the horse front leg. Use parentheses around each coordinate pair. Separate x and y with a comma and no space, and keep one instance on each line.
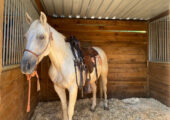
(72,100)
(62,95)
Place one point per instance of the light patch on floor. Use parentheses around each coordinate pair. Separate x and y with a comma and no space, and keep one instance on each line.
(126,109)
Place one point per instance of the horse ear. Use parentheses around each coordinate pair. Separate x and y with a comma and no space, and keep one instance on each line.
(43,18)
(28,18)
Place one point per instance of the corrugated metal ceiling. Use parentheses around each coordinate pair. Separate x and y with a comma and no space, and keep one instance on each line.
(105,9)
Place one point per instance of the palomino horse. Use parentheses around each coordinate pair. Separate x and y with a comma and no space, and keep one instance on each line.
(43,40)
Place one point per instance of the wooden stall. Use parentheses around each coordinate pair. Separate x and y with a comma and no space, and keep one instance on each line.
(159,66)
(125,43)
(134,36)
(13,84)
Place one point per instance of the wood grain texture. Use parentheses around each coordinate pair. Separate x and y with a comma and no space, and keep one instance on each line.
(159,82)
(1,32)
(126,52)
(14,93)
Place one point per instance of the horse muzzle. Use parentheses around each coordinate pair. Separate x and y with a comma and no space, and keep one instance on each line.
(28,65)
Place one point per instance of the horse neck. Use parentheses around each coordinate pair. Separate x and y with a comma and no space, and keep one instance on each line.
(59,51)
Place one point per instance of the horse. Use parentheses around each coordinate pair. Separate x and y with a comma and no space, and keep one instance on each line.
(43,40)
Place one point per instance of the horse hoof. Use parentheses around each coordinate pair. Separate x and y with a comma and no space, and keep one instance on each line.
(106,108)
(93,109)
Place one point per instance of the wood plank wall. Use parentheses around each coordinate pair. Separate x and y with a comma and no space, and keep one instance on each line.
(159,69)
(126,52)
(159,82)
(14,93)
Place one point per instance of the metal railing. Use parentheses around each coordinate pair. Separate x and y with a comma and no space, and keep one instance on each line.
(13,29)
(159,40)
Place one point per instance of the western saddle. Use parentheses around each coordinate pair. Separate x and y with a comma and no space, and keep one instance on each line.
(85,60)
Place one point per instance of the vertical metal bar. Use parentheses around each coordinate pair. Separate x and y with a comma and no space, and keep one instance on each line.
(15,47)
(6,62)
(150,41)
(5,26)
(20,30)
(19,24)
(163,42)
(16,40)
(17,32)
(13,36)
(168,40)
(10,39)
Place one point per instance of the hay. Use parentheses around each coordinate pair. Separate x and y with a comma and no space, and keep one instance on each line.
(126,109)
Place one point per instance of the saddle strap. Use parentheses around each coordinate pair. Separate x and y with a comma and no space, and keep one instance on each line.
(95,65)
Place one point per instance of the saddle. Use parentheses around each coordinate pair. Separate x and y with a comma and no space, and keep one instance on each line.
(84,53)
(85,60)
(89,53)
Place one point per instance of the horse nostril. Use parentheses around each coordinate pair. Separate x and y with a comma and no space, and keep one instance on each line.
(28,66)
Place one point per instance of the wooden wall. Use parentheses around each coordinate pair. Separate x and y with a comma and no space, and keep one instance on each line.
(126,52)
(159,82)
(14,93)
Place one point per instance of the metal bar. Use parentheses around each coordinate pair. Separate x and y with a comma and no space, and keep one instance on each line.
(5,26)
(6,60)
(7,49)
(19,52)
(163,41)
(16,49)
(15,34)
(167,40)
(10,33)
(17,60)
(13,25)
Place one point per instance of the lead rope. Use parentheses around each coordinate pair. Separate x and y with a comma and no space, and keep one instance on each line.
(29,76)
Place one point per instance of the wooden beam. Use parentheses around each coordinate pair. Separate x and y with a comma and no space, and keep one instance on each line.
(160,15)
(1,39)
(1,31)
(39,5)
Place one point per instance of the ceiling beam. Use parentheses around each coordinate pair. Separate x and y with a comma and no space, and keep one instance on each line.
(160,15)
(39,5)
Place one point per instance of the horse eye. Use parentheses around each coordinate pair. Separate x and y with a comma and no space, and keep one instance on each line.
(41,37)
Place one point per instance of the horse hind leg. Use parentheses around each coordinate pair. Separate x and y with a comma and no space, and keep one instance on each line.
(94,88)
(104,82)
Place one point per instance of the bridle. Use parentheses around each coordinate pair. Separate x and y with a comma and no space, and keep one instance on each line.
(38,55)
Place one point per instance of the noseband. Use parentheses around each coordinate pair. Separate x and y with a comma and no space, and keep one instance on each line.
(37,55)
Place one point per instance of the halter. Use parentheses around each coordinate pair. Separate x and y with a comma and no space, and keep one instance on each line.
(37,55)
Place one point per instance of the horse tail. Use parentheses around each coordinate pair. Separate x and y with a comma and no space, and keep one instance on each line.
(104,73)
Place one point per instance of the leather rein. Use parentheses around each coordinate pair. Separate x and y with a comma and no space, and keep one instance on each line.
(29,76)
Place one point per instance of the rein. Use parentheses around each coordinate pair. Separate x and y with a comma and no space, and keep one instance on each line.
(29,76)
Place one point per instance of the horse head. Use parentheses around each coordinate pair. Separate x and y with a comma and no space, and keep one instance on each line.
(37,43)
